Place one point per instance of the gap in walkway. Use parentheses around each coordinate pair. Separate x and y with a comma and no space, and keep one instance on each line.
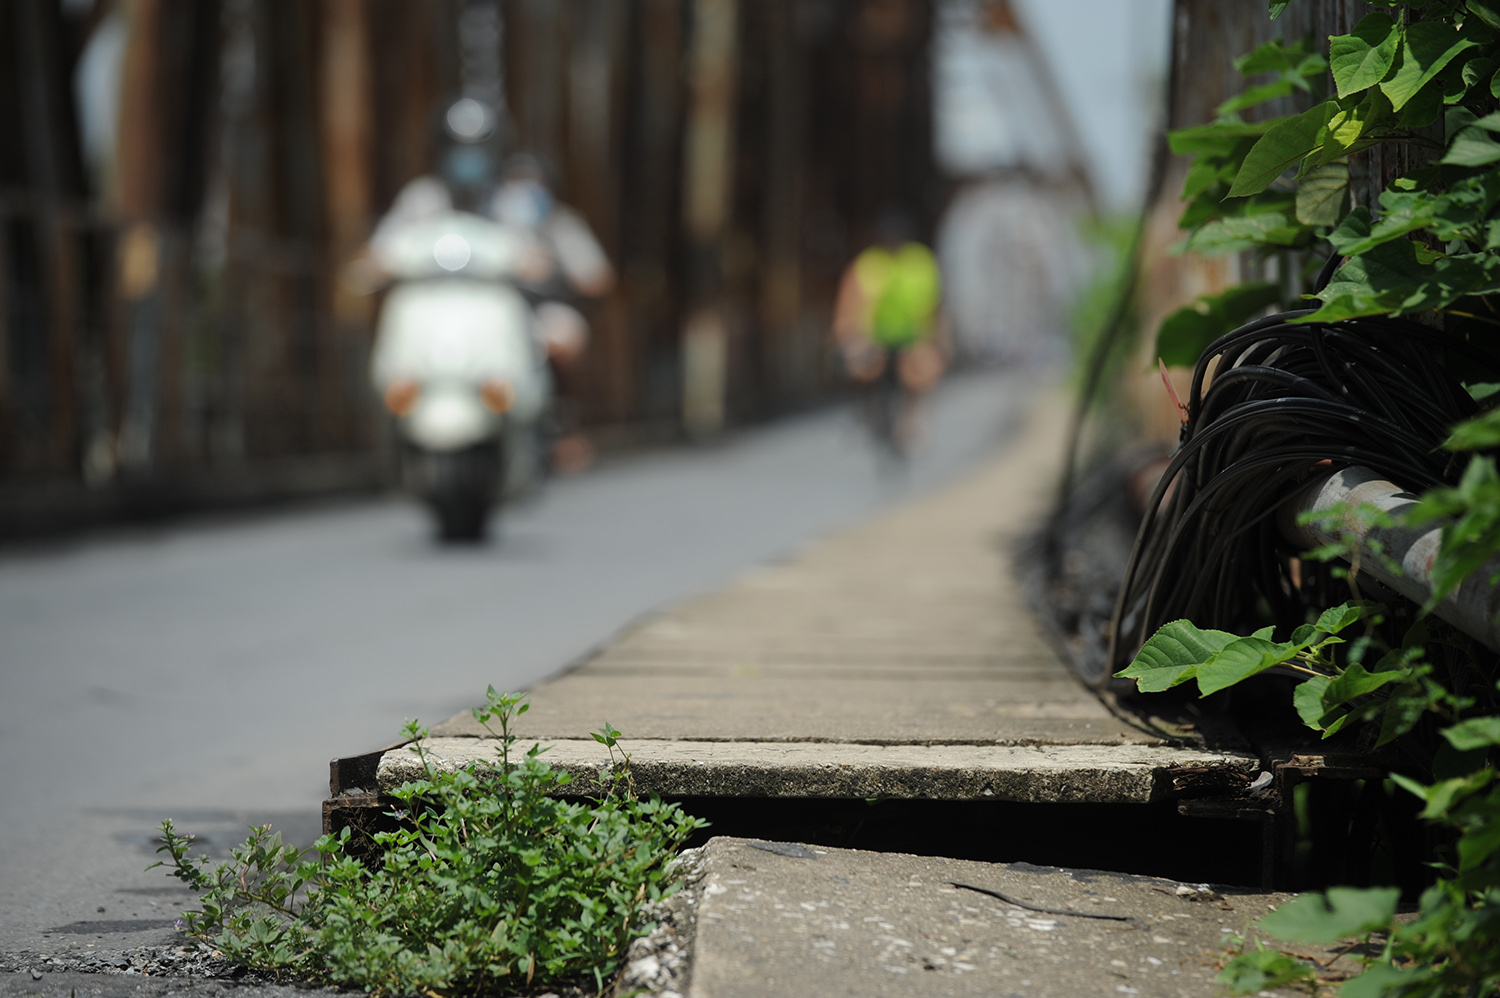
(1142,839)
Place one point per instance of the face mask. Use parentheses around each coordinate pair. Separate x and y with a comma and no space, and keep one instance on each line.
(466,166)
(523,202)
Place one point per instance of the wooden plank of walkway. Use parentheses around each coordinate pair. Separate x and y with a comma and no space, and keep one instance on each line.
(909,632)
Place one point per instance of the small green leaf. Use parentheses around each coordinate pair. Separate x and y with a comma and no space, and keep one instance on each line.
(1336,618)
(1284,143)
(1277,6)
(1363,57)
(1323,194)
(1343,912)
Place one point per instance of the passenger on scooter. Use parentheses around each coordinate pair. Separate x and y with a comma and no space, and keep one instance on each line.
(525,199)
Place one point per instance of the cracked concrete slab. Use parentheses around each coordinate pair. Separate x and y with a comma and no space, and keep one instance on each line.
(831,922)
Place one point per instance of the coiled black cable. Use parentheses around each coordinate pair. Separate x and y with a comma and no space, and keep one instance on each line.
(1271,404)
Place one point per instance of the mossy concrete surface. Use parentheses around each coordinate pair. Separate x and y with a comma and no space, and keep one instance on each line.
(1072,774)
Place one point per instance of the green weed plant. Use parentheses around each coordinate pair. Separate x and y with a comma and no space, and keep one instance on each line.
(1425,75)
(490,881)
(1452,946)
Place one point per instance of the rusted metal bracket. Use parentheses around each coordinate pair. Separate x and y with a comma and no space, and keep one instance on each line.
(354,799)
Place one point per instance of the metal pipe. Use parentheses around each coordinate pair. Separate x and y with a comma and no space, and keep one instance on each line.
(1407,553)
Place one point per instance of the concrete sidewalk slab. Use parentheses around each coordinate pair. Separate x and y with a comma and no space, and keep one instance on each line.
(897,659)
(777,919)
(1060,774)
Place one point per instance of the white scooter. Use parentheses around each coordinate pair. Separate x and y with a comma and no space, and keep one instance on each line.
(457,363)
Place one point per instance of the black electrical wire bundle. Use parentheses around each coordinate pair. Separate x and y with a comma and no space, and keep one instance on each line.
(1282,402)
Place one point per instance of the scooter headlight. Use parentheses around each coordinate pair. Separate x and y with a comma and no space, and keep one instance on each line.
(401,396)
(498,396)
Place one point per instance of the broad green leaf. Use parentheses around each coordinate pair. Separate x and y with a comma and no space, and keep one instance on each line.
(1350,128)
(1323,193)
(1276,56)
(1422,110)
(1308,699)
(1456,119)
(1343,912)
(1427,47)
(1355,682)
(1173,654)
(1184,333)
(1284,143)
(1356,235)
(1380,280)
(1479,844)
(1481,390)
(1232,235)
(1478,71)
(1404,708)
(1350,305)
(1215,139)
(1363,57)
(1241,659)
(1486,10)
(1277,6)
(1257,95)
(1443,795)
(1472,147)
(1206,171)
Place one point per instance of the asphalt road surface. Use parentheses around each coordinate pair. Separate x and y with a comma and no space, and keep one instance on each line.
(207,670)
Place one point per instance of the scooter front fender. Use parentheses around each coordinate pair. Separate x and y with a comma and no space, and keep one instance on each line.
(449,419)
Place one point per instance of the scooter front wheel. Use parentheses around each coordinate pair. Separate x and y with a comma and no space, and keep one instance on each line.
(461,489)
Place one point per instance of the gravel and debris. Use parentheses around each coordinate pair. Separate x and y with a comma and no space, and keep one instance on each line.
(150,961)
(658,963)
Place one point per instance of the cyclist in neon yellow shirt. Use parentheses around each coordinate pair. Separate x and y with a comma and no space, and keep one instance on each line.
(888,324)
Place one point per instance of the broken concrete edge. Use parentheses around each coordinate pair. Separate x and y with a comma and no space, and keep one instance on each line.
(779,918)
(1103,774)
